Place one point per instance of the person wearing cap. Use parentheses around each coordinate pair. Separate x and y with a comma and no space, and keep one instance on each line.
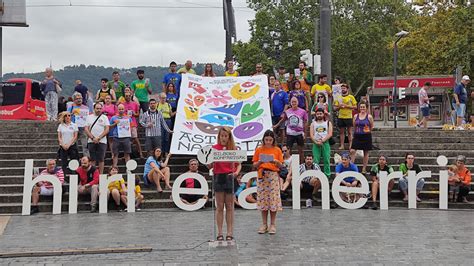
(142,89)
(465,178)
(460,100)
(320,132)
(344,166)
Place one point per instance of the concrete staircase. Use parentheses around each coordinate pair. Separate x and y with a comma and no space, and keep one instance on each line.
(20,140)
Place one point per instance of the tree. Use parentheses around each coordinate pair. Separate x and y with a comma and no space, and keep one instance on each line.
(362,33)
(440,39)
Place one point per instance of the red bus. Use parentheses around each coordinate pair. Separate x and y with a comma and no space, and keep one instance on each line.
(21,99)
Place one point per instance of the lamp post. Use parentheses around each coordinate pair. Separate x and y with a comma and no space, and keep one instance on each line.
(277,44)
(399,36)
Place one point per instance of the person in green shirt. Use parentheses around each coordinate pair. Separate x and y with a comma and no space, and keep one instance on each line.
(116,84)
(410,165)
(142,89)
(187,68)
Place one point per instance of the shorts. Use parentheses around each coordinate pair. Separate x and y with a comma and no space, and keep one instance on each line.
(306,187)
(344,122)
(46,191)
(152,142)
(275,120)
(224,183)
(425,111)
(290,140)
(134,132)
(460,110)
(121,144)
(362,142)
(97,151)
(191,198)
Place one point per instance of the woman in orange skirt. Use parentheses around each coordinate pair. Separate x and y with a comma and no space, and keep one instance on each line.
(268,158)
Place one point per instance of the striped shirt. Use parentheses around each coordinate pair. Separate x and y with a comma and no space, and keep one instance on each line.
(156,118)
(58,172)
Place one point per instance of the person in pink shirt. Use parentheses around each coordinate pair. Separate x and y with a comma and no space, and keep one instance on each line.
(223,183)
(132,109)
(109,109)
(296,120)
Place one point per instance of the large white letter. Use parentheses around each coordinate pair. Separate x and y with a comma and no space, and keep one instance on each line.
(177,190)
(336,188)
(131,165)
(28,184)
(412,181)
(248,191)
(384,180)
(296,181)
(443,183)
(73,182)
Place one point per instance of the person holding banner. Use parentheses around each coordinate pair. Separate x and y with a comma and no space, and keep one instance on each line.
(268,158)
(223,183)
(121,133)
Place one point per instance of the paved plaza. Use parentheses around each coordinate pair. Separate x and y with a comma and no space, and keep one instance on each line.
(307,236)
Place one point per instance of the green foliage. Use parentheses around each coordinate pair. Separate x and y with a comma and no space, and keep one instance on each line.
(91,75)
(441,38)
(363,34)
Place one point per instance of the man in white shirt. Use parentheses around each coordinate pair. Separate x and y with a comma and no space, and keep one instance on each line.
(97,128)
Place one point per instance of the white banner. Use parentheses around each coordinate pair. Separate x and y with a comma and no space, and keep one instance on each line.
(207,104)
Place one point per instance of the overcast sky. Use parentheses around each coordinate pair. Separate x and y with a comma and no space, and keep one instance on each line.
(120,36)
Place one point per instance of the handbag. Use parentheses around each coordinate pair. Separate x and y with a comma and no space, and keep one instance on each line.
(58,88)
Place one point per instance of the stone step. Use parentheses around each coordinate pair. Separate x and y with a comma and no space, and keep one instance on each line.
(431,185)
(15,152)
(157,204)
(185,159)
(46,207)
(151,195)
(178,169)
(51,139)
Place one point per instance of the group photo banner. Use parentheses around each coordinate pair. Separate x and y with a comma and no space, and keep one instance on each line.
(208,103)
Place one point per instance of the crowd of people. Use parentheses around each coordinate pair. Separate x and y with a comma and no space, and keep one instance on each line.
(301,110)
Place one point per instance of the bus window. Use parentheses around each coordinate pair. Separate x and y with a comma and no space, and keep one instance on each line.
(13,93)
(36,93)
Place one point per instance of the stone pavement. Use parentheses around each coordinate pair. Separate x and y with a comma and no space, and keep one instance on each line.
(307,236)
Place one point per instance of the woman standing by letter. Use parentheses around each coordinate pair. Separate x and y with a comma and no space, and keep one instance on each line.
(224,174)
(268,159)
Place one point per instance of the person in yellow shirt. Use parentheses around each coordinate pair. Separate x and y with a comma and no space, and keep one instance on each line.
(117,189)
(344,120)
(230,72)
(323,87)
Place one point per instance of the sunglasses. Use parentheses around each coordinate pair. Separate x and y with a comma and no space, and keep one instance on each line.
(68,115)
(319,97)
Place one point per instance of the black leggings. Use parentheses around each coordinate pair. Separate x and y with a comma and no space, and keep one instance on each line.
(463,192)
(64,155)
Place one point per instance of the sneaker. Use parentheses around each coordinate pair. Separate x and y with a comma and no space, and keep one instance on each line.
(405,198)
(94,208)
(138,209)
(34,209)
(374,206)
(418,199)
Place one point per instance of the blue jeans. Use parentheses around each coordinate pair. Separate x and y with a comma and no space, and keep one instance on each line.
(460,110)
(166,138)
(403,184)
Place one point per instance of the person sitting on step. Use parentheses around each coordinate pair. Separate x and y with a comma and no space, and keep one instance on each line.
(310,183)
(45,188)
(192,183)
